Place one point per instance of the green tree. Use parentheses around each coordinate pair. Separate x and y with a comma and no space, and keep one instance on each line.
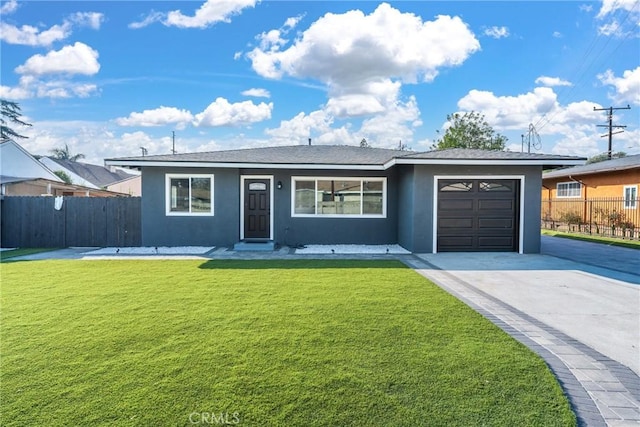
(10,114)
(65,154)
(470,130)
(605,156)
(63,176)
(364,143)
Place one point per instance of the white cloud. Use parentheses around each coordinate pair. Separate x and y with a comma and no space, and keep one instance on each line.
(92,20)
(257,92)
(76,59)
(610,6)
(9,7)
(301,127)
(552,81)
(557,34)
(30,87)
(161,116)
(345,49)
(63,89)
(222,113)
(364,59)
(586,7)
(210,13)
(395,126)
(148,20)
(539,107)
(497,32)
(627,87)
(615,15)
(32,36)
(612,28)
(14,93)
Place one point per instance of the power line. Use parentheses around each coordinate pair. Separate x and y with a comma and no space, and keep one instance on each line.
(611,126)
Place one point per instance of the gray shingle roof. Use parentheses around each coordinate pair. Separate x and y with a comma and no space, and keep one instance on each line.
(333,155)
(95,174)
(471,154)
(296,154)
(623,163)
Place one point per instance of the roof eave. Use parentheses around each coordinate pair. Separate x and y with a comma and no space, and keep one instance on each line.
(227,165)
(492,162)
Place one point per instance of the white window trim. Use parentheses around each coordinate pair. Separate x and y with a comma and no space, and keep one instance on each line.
(338,178)
(624,197)
(271,206)
(167,194)
(434,217)
(568,197)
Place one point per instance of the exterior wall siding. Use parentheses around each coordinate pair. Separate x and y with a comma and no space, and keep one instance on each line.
(409,220)
(406,190)
(423,201)
(223,228)
(610,184)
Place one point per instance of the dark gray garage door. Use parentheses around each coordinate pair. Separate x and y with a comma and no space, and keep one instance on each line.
(478,215)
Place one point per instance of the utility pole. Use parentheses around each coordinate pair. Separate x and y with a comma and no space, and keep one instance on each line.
(611,125)
(173,139)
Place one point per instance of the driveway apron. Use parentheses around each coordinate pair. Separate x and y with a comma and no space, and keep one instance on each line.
(582,319)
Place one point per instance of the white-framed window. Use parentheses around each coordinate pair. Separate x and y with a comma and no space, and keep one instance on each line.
(189,194)
(341,197)
(569,189)
(630,196)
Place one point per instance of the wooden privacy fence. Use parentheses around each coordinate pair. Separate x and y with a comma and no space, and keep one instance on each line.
(30,222)
(613,216)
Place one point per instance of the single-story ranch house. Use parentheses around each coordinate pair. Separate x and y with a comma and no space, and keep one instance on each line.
(435,201)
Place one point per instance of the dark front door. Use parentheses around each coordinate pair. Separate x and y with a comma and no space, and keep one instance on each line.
(478,215)
(257,209)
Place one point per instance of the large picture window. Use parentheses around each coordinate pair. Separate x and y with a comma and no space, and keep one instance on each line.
(339,197)
(569,189)
(189,194)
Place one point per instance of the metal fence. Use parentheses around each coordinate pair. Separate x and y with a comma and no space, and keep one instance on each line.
(30,222)
(613,217)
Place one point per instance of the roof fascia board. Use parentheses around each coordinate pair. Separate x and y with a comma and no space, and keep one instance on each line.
(489,162)
(241,165)
(591,172)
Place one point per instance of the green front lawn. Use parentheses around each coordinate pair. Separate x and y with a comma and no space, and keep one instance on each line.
(632,244)
(292,343)
(5,255)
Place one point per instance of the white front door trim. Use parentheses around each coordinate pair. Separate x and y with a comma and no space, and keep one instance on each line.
(242,180)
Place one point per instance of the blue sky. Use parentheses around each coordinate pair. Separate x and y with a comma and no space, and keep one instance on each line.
(110,77)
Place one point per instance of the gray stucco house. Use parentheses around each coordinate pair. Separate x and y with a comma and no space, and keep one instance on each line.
(435,201)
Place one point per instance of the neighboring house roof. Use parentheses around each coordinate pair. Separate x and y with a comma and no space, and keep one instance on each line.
(339,157)
(94,175)
(613,165)
(48,184)
(15,161)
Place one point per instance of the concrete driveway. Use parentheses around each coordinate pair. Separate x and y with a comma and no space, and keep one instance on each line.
(593,304)
(581,317)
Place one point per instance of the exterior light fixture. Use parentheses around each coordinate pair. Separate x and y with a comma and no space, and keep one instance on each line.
(279,185)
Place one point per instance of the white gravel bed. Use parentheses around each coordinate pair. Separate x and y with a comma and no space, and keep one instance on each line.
(352,249)
(150,250)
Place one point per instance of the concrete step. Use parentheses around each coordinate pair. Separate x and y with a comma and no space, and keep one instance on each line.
(266,246)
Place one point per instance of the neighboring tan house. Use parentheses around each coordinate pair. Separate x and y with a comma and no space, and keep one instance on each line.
(23,175)
(616,178)
(95,176)
(436,201)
